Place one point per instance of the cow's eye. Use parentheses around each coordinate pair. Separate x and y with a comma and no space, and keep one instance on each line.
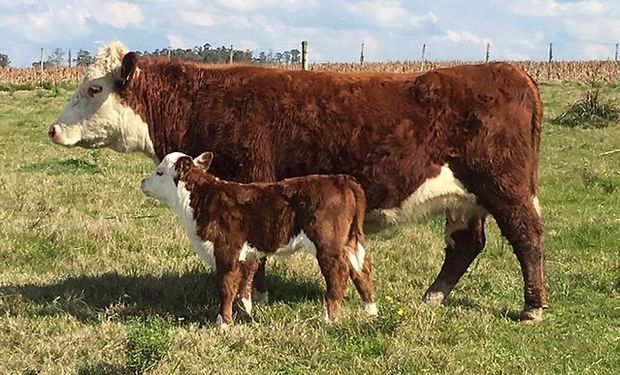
(159,173)
(93,90)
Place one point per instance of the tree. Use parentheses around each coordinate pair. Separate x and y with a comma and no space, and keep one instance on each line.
(56,59)
(295,56)
(83,58)
(4,60)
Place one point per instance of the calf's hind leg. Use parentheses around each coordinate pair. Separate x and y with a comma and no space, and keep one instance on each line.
(362,279)
(464,241)
(335,269)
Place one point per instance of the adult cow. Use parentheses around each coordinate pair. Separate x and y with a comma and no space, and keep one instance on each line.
(463,139)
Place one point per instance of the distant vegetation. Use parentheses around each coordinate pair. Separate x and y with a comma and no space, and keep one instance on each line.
(592,110)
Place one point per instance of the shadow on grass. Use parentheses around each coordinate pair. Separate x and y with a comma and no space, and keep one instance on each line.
(189,297)
(104,369)
(74,166)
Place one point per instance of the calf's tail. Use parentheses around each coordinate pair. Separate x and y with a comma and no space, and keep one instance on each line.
(357,252)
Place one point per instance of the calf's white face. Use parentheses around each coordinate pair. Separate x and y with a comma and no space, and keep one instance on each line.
(161,184)
(96,117)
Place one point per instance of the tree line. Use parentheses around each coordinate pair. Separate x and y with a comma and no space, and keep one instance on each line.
(203,54)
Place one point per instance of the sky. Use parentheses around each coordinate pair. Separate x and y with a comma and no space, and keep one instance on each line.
(390,29)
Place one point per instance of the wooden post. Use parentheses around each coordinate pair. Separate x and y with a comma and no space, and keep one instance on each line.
(69,58)
(41,62)
(232,54)
(486,59)
(550,60)
(362,55)
(169,54)
(423,57)
(616,58)
(304,55)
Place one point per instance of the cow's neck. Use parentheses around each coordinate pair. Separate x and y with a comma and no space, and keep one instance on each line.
(164,103)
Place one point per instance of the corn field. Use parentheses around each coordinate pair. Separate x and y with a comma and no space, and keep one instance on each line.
(577,71)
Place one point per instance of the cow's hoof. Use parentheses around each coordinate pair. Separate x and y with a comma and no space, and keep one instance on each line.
(434,298)
(219,322)
(371,309)
(260,297)
(531,315)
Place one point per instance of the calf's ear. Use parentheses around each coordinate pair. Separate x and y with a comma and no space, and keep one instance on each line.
(204,160)
(183,166)
(129,67)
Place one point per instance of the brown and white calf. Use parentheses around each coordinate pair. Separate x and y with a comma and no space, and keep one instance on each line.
(231,224)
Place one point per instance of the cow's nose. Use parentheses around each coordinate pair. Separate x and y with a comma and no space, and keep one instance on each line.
(52,131)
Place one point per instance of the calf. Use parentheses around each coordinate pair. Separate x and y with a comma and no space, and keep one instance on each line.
(231,225)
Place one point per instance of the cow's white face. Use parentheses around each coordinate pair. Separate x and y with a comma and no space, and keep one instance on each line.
(96,117)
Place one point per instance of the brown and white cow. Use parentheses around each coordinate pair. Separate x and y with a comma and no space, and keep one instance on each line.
(463,140)
(231,225)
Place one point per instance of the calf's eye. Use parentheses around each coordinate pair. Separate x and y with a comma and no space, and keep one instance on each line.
(159,173)
(93,90)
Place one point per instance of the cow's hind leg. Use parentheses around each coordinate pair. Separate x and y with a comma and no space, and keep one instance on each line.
(244,296)
(522,226)
(464,241)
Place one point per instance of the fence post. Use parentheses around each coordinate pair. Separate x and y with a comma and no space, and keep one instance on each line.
(550,60)
(304,55)
(41,62)
(362,55)
(232,54)
(486,59)
(423,58)
(69,58)
(616,58)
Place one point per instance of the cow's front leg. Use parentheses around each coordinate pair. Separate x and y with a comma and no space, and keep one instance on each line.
(244,296)
(228,279)
(260,293)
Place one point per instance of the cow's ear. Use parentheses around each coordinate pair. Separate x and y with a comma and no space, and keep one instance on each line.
(204,160)
(129,67)
(183,166)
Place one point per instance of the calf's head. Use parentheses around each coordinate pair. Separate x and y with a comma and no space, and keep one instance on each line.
(170,175)
(95,116)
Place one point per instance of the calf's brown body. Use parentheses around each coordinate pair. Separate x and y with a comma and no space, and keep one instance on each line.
(245,222)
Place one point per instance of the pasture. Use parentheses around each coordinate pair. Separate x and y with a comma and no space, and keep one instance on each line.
(95,278)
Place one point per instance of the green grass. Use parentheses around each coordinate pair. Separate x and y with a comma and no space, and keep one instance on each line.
(97,279)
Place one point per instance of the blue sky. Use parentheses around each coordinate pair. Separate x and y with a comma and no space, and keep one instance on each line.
(390,29)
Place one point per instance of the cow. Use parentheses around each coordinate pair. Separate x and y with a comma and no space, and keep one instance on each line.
(231,225)
(463,141)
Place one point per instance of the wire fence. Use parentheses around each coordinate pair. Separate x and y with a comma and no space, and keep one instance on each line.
(576,71)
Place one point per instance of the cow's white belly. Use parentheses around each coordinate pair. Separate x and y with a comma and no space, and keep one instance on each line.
(442,193)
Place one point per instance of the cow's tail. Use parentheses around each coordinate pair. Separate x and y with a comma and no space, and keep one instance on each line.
(536,124)
(357,248)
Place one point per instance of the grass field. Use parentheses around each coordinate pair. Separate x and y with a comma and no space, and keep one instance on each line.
(97,279)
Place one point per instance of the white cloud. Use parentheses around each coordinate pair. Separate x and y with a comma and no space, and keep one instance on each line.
(556,8)
(117,14)
(198,18)
(254,5)
(389,14)
(462,37)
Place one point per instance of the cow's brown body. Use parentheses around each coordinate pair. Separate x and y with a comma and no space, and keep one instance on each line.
(392,132)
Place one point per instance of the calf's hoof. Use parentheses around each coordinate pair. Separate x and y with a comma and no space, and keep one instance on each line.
(243,308)
(531,315)
(371,309)
(260,297)
(219,322)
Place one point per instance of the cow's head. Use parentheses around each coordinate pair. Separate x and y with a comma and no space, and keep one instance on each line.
(167,182)
(95,115)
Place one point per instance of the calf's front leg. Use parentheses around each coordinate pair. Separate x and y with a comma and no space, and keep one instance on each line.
(228,279)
